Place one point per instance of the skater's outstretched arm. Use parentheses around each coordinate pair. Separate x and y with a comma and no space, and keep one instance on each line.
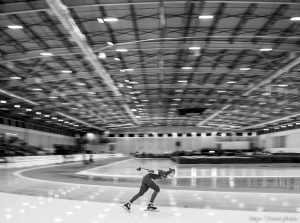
(148,170)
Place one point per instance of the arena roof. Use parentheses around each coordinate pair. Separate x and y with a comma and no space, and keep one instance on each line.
(78,64)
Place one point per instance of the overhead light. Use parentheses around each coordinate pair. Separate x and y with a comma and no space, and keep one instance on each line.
(135,82)
(262,103)
(178,90)
(282,85)
(110,43)
(37,89)
(17,106)
(133,109)
(295,19)
(28,109)
(266,129)
(60,120)
(54,118)
(145,100)
(46,54)
(100,20)
(265,49)
(129,69)
(90,92)
(186,68)
(206,16)
(121,50)
(66,71)
(102,55)
(174,104)
(116,58)
(245,68)
(221,91)
(182,81)
(15,78)
(194,48)
(38,113)
(129,87)
(243,106)
(177,99)
(15,27)
(231,82)
(2,101)
(47,116)
(53,97)
(110,19)
(80,84)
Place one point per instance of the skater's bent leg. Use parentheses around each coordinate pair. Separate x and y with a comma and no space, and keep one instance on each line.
(143,189)
(154,194)
(156,189)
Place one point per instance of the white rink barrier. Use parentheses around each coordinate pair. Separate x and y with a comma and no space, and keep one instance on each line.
(284,150)
(25,161)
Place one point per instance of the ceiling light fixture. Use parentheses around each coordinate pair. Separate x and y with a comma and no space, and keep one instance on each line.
(186,68)
(117,59)
(28,109)
(265,49)
(121,50)
(231,82)
(245,68)
(110,43)
(17,106)
(80,84)
(102,56)
(15,27)
(194,48)
(110,19)
(282,85)
(47,116)
(206,16)
(46,54)
(100,20)
(37,89)
(53,97)
(129,69)
(66,71)
(182,81)
(15,78)
(2,101)
(295,18)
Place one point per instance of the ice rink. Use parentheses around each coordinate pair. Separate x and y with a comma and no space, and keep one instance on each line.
(74,192)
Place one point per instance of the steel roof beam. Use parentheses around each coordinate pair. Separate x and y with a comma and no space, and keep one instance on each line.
(62,13)
(267,80)
(7,8)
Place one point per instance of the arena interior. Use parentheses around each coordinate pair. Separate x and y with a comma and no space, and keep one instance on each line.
(97,95)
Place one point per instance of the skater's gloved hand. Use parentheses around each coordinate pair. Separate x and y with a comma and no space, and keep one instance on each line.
(139,169)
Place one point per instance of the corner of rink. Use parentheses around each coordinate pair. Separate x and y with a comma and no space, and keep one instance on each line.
(19,208)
